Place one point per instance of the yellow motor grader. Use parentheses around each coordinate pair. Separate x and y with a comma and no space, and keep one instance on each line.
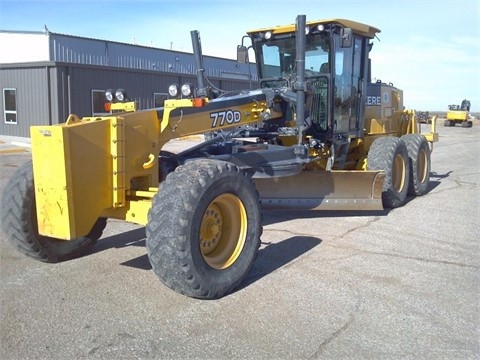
(316,134)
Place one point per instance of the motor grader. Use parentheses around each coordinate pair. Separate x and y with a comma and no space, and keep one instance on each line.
(316,134)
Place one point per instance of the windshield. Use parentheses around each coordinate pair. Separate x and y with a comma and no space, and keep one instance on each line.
(277,57)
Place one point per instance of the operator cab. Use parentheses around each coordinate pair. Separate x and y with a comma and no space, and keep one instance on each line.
(336,72)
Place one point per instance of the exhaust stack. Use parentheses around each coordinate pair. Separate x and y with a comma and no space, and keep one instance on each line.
(197,52)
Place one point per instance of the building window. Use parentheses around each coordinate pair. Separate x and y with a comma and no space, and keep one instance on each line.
(98,103)
(10,106)
(159,99)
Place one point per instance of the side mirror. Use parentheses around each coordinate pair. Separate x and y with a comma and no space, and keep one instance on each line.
(242,54)
(346,37)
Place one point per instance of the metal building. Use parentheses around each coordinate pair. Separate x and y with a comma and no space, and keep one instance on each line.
(46,76)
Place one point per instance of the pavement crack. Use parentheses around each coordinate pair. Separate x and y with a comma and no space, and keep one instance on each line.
(461,183)
(295,233)
(400,256)
(338,332)
(363,226)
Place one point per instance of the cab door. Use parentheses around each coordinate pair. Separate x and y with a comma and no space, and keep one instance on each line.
(348,86)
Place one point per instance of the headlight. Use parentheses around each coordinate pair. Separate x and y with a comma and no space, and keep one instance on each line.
(186,90)
(268,35)
(109,95)
(120,95)
(173,90)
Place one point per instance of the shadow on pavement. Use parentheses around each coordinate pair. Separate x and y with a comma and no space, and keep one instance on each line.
(134,237)
(140,262)
(436,175)
(277,255)
(129,238)
(278,216)
(270,258)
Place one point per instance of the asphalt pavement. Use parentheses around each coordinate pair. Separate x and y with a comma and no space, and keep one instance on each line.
(399,284)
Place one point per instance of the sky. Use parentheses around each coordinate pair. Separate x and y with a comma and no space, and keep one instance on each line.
(429,49)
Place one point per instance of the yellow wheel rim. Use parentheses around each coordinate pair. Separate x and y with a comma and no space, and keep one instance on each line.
(223,231)
(398,174)
(422,167)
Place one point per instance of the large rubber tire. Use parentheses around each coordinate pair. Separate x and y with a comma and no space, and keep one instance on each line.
(204,228)
(419,156)
(19,223)
(390,155)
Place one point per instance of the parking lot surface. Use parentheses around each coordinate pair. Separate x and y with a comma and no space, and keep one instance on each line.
(398,284)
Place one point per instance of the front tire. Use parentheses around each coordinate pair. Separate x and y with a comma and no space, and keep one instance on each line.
(419,155)
(390,155)
(204,229)
(19,222)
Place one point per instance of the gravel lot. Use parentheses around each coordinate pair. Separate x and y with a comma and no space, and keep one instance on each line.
(342,285)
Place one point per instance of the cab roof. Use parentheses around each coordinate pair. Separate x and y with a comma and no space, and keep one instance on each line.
(358,28)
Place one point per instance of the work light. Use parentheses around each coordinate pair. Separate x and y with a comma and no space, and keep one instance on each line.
(120,95)
(109,95)
(186,90)
(173,90)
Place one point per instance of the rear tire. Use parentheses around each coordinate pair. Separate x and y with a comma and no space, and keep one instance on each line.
(390,155)
(19,222)
(419,155)
(204,229)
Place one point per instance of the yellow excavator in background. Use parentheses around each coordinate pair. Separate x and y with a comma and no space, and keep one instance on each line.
(459,114)
(316,134)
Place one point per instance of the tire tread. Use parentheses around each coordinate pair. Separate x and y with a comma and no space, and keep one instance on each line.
(169,221)
(18,220)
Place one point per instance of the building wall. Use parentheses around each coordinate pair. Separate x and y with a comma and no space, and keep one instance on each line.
(139,85)
(34,101)
(47,46)
(72,49)
(26,46)
(54,74)
(47,92)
